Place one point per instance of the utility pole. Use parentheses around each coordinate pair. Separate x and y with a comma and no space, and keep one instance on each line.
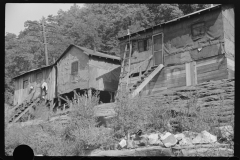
(45,41)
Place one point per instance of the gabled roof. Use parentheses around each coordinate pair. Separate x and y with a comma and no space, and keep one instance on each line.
(173,20)
(85,50)
(88,52)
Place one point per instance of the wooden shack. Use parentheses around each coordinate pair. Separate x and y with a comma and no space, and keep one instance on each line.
(35,78)
(79,68)
(191,49)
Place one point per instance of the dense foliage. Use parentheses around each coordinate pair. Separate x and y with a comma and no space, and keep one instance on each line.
(94,25)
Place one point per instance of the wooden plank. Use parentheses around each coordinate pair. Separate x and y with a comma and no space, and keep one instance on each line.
(168,72)
(214,75)
(180,81)
(164,83)
(62,98)
(145,82)
(162,76)
(194,71)
(211,67)
(207,61)
(188,74)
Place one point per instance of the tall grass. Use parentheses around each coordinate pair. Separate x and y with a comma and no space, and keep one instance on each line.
(81,133)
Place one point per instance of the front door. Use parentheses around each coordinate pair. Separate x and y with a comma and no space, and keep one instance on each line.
(158,49)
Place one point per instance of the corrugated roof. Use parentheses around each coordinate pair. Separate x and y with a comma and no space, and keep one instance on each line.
(173,20)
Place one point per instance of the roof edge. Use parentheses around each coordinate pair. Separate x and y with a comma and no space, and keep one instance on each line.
(173,20)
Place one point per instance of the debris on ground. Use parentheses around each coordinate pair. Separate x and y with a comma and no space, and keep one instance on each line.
(186,143)
(123,143)
(204,137)
(153,139)
(226,131)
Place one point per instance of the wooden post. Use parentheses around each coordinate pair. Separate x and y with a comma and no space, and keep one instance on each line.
(74,96)
(188,74)
(110,96)
(191,73)
(129,63)
(89,94)
(140,73)
(59,102)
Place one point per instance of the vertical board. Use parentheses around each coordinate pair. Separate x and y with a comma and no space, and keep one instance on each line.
(191,75)
(188,74)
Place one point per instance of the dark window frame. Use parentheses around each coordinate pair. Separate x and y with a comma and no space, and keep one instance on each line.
(74,68)
(199,27)
(145,45)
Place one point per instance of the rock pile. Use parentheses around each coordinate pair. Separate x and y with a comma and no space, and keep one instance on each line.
(157,143)
(168,139)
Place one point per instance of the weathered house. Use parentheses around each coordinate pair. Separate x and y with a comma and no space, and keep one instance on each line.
(35,78)
(79,69)
(191,49)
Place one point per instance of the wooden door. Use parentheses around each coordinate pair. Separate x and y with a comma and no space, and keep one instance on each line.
(158,49)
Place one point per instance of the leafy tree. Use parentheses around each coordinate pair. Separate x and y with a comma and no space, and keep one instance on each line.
(189,8)
(164,12)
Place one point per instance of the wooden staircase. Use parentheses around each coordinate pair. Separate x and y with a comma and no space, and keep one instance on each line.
(21,109)
(145,79)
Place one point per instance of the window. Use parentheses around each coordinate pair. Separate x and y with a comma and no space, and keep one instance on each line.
(74,69)
(25,83)
(143,45)
(198,30)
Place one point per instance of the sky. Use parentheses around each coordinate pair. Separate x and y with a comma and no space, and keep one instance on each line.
(18,13)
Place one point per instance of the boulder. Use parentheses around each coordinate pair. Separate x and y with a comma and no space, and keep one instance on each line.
(169,141)
(153,139)
(190,134)
(123,143)
(164,135)
(226,131)
(185,141)
(179,136)
(204,137)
